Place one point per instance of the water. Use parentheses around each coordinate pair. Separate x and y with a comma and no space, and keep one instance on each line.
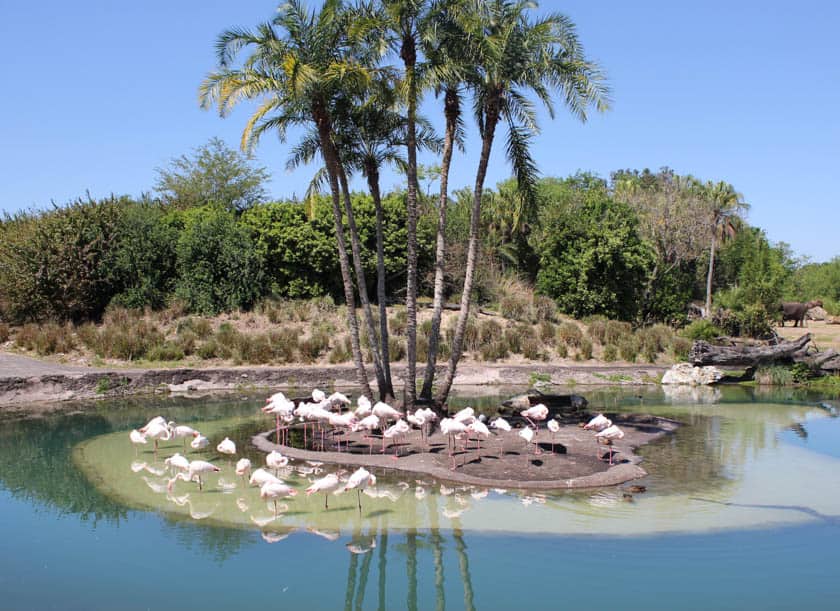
(742,511)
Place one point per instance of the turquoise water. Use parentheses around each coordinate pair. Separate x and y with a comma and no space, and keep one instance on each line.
(65,545)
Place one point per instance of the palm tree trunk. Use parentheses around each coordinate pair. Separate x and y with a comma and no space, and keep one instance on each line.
(472,250)
(372,173)
(710,275)
(409,57)
(331,163)
(361,282)
(451,111)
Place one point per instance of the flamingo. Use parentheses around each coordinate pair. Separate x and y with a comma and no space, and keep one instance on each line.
(182,432)
(465,416)
(360,479)
(318,395)
(194,471)
(343,421)
(430,416)
(260,477)
(385,412)
(500,424)
(369,423)
(156,421)
(176,461)
(554,427)
(364,407)
(281,407)
(478,428)
(598,423)
(274,491)
(608,435)
(275,460)
(451,427)
(338,399)
(226,446)
(538,412)
(158,432)
(199,442)
(328,483)
(137,438)
(400,427)
(243,467)
(528,435)
(418,419)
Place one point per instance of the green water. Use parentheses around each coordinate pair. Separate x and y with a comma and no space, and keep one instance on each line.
(742,510)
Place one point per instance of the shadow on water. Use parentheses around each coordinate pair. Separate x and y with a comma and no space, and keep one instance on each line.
(813,513)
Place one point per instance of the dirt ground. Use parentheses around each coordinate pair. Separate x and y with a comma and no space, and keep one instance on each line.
(570,458)
(825,336)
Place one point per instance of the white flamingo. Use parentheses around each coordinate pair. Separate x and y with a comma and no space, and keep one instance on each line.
(328,483)
(156,421)
(554,427)
(369,423)
(137,439)
(346,420)
(364,407)
(608,435)
(479,429)
(281,407)
(528,435)
(274,491)
(318,395)
(226,446)
(275,460)
(243,468)
(537,413)
(598,423)
(260,477)
(500,424)
(400,427)
(158,432)
(196,468)
(199,442)
(338,399)
(465,416)
(182,431)
(360,479)
(453,429)
(176,461)
(385,412)
(418,419)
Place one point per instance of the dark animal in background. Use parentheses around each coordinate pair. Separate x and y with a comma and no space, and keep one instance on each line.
(795,311)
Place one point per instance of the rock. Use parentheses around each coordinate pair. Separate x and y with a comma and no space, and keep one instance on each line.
(686,373)
(191,386)
(817,313)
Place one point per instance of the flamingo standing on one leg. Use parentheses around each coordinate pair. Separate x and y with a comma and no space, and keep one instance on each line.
(479,429)
(528,435)
(370,423)
(452,428)
(554,427)
(137,438)
(538,413)
(275,460)
(361,479)
(610,434)
(503,425)
(400,427)
(243,468)
(158,432)
(326,484)
(274,491)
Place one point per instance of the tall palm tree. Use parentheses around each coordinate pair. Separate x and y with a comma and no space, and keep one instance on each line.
(395,24)
(725,205)
(297,65)
(514,54)
(446,65)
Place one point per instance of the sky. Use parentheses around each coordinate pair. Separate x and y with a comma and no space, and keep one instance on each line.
(99,94)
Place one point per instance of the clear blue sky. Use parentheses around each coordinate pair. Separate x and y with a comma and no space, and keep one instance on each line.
(98,94)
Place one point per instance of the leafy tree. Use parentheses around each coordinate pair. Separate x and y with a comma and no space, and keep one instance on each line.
(514,54)
(725,205)
(592,258)
(218,267)
(214,174)
(299,63)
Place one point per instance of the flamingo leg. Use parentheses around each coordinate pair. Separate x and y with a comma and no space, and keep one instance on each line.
(359,497)
(326,500)
(199,482)
(275,508)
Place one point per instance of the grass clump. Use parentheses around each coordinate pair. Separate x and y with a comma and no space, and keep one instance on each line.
(615,331)
(4,332)
(167,351)
(597,328)
(494,350)
(341,352)
(569,334)
(199,327)
(515,306)
(50,338)
(774,376)
(315,345)
(702,329)
(545,310)
(628,348)
(585,350)
(610,353)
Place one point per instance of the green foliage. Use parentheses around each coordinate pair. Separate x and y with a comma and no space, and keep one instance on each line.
(214,175)
(4,332)
(591,257)
(168,351)
(610,353)
(702,329)
(615,331)
(218,268)
(124,335)
(585,349)
(775,375)
(749,321)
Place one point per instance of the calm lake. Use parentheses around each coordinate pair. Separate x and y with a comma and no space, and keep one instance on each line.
(742,510)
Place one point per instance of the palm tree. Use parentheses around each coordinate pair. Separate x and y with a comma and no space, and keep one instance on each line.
(445,55)
(298,63)
(513,55)
(395,24)
(725,204)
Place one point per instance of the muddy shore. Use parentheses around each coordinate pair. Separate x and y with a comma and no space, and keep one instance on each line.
(30,384)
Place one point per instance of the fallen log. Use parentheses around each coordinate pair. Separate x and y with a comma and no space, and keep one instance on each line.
(704,353)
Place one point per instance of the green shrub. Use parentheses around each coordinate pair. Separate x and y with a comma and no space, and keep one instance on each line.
(517,335)
(597,328)
(545,310)
(494,350)
(610,353)
(628,347)
(615,331)
(562,351)
(186,342)
(585,349)
(489,331)
(26,336)
(515,306)
(569,334)
(208,350)
(254,348)
(422,348)
(532,350)
(342,351)
(398,323)
(396,348)
(129,341)
(52,338)
(168,351)
(200,327)
(680,347)
(774,376)
(702,329)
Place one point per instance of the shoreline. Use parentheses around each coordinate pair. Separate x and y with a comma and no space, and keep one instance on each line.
(25,381)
